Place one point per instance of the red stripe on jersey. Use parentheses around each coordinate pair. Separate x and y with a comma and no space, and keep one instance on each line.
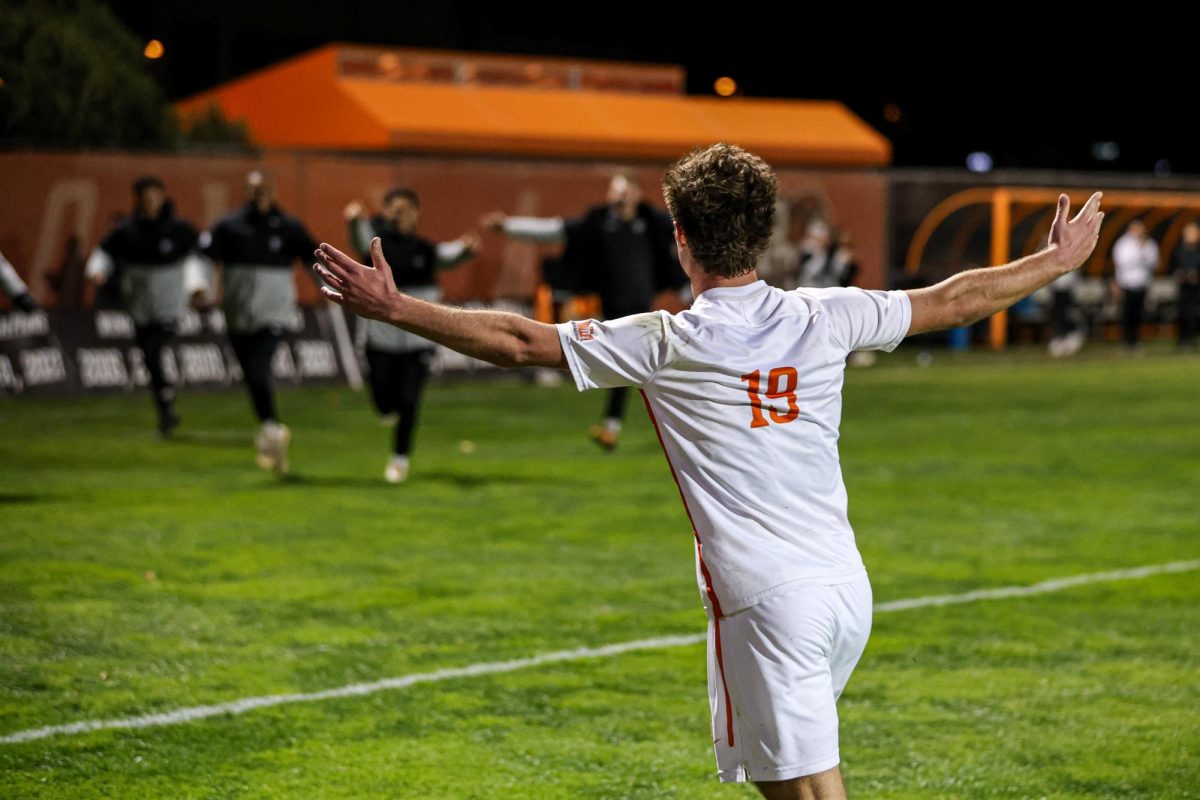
(708,584)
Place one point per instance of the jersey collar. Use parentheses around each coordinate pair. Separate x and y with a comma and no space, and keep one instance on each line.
(721,292)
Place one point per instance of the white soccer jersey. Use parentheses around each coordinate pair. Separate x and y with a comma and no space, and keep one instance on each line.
(745,391)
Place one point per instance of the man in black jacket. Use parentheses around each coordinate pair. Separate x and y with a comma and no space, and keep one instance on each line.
(256,246)
(145,256)
(397,361)
(623,251)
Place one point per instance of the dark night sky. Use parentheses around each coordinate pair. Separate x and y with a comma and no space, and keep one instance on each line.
(1031,90)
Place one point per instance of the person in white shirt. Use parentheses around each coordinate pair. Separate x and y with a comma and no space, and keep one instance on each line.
(1135,256)
(744,390)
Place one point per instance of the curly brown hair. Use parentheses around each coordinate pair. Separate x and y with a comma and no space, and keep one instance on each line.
(724,200)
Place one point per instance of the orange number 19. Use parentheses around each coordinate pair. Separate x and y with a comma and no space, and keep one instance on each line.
(781,383)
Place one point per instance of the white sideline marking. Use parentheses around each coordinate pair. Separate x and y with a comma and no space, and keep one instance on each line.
(491,668)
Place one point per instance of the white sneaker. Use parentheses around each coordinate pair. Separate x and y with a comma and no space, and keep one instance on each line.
(262,444)
(396,470)
(272,443)
(548,378)
(1074,343)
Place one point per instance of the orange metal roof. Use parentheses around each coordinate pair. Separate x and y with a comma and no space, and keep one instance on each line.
(309,102)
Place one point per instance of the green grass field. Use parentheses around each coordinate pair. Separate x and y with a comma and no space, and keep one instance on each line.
(138,576)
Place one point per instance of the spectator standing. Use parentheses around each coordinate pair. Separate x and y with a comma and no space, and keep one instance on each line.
(1136,258)
(1185,266)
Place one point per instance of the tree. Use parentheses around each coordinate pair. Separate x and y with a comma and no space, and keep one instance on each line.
(211,129)
(74,76)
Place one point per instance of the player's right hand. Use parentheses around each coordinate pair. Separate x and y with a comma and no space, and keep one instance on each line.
(471,242)
(352,211)
(493,221)
(1075,240)
(368,291)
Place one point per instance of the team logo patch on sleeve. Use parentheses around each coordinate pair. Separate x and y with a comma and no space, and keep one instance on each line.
(584,331)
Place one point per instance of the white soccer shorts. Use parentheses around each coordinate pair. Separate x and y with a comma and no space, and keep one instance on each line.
(775,672)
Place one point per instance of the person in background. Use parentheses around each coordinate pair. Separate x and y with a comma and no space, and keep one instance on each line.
(1065,340)
(256,245)
(1136,258)
(15,288)
(1185,266)
(146,254)
(826,257)
(398,361)
(779,265)
(622,250)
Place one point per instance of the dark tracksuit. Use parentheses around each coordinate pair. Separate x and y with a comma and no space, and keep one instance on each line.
(399,361)
(1186,267)
(148,256)
(256,251)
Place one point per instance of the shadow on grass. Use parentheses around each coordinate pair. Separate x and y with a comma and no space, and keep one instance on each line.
(456,479)
(466,480)
(232,439)
(22,498)
(300,480)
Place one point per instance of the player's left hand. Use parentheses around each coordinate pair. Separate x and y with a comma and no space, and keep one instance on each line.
(1075,239)
(367,291)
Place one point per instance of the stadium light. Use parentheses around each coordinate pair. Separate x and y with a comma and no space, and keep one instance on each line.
(725,86)
(154,49)
(1105,151)
(979,161)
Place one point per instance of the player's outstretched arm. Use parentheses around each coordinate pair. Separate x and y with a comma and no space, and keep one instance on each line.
(975,294)
(539,230)
(507,340)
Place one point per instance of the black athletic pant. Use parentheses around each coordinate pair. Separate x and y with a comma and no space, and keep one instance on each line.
(255,352)
(1060,321)
(1189,311)
(1131,317)
(615,407)
(615,404)
(152,339)
(397,380)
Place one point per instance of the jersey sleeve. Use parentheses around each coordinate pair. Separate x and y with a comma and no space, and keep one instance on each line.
(862,319)
(10,282)
(619,352)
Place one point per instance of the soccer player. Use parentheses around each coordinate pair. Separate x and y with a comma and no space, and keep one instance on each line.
(622,250)
(146,254)
(399,361)
(256,246)
(15,288)
(744,390)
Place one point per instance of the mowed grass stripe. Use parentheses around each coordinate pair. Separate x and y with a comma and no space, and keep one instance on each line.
(246,704)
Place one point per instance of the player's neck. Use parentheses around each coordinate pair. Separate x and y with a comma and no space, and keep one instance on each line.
(703,281)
